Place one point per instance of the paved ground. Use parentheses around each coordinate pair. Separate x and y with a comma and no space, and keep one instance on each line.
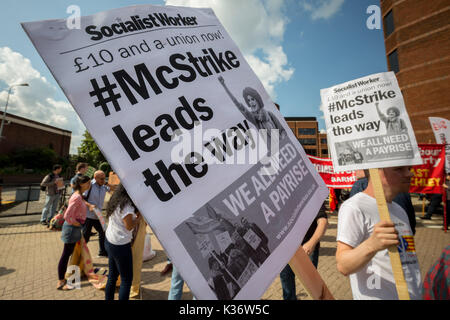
(29,254)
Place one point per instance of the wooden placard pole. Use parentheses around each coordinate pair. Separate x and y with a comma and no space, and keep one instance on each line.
(397,270)
(309,276)
(444,201)
(423,205)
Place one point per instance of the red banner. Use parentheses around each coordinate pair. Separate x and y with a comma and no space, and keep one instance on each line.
(337,180)
(429,177)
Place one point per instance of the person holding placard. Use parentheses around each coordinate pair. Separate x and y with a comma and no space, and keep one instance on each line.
(255,237)
(123,217)
(363,240)
(219,280)
(255,112)
(402,199)
(394,124)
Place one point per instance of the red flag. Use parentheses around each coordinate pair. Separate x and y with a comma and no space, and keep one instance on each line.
(336,180)
(333,200)
(430,176)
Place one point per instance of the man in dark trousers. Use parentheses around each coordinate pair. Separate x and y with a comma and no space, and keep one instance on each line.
(311,245)
(435,202)
(96,196)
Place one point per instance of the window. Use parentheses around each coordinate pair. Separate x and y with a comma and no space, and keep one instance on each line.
(388,23)
(311,152)
(323,141)
(325,151)
(393,61)
(307,131)
(307,142)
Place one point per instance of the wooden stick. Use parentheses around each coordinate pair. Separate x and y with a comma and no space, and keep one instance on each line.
(444,200)
(309,276)
(397,270)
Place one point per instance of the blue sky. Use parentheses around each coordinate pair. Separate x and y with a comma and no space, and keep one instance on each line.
(302,47)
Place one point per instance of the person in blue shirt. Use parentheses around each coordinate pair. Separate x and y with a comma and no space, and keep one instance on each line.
(96,196)
(81,169)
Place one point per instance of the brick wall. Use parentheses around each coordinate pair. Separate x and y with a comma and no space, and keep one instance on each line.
(22,133)
(422,40)
(297,123)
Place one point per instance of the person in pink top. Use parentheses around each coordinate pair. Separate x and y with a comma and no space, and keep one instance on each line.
(74,217)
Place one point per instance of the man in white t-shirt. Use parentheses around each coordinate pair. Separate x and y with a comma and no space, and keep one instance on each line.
(363,241)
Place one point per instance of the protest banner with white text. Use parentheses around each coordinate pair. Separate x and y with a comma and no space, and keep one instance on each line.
(441,130)
(367,124)
(368,128)
(193,136)
(333,179)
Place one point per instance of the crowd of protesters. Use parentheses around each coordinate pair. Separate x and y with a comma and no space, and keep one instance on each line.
(362,238)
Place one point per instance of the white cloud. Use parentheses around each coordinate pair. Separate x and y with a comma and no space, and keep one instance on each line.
(256,26)
(322,9)
(37,101)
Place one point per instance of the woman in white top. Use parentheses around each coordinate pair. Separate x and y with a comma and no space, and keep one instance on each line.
(123,217)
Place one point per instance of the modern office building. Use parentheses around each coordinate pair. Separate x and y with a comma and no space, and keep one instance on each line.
(306,129)
(323,145)
(417,41)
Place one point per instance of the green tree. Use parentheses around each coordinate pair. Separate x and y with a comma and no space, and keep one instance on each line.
(89,151)
(41,158)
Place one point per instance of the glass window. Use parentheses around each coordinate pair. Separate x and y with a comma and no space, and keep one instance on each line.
(307,131)
(324,151)
(307,142)
(388,23)
(393,61)
(323,141)
(311,152)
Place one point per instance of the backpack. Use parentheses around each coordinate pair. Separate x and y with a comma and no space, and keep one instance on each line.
(44,188)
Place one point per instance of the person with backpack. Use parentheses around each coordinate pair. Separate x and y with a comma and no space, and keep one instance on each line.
(49,184)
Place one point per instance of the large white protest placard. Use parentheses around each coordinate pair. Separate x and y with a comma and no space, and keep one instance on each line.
(367,124)
(151,83)
(441,130)
(368,128)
